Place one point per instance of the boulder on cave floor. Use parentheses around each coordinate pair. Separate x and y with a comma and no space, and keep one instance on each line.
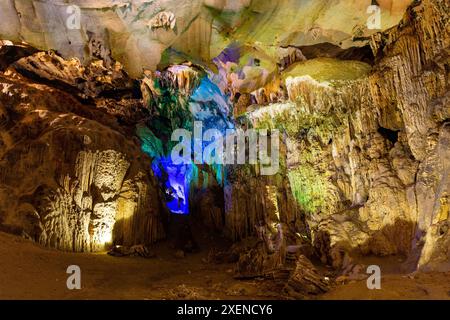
(306,280)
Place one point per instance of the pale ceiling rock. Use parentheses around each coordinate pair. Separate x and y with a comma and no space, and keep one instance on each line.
(66,169)
(122,27)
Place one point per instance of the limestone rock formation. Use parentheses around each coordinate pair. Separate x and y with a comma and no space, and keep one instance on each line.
(70,176)
(138,32)
(306,280)
(371,174)
(90,94)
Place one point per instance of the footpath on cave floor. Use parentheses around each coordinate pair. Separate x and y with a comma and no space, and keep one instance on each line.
(28,271)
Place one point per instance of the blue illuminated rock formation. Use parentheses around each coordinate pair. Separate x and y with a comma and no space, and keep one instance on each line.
(206,104)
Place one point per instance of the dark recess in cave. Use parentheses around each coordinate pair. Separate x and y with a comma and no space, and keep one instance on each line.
(391,135)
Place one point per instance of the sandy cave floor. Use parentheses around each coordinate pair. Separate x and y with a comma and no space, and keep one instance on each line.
(28,271)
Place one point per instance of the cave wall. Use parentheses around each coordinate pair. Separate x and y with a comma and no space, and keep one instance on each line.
(133,33)
(371,153)
(71,177)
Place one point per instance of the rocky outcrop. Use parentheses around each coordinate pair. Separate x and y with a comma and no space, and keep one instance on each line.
(254,202)
(143,33)
(11,52)
(372,172)
(71,177)
(289,56)
(412,70)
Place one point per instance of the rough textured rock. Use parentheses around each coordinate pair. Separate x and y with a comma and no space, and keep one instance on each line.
(265,201)
(364,149)
(372,173)
(306,280)
(96,79)
(138,32)
(71,177)
(136,250)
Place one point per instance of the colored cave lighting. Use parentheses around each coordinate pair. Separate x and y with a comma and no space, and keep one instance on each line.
(208,105)
(176,183)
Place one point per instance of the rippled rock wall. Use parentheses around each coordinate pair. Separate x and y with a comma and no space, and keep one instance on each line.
(367,158)
(71,176)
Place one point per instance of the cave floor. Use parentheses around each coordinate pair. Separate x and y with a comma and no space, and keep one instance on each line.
(28,271)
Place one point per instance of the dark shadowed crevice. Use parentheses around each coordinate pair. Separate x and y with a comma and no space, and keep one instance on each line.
(389,134)
(329,50)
